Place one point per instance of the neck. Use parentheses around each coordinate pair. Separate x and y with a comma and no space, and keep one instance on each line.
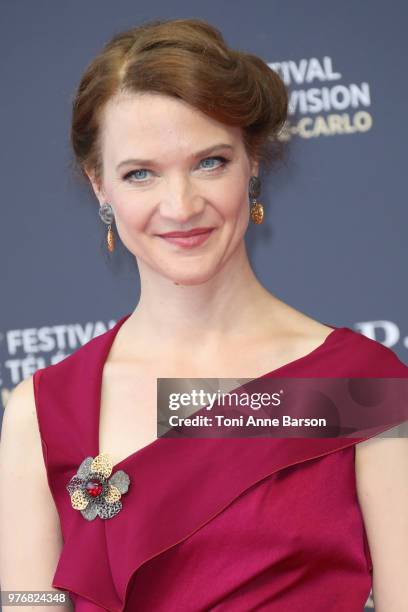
(230,304)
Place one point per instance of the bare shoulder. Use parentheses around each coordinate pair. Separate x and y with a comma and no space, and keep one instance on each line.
(20,439)
(19,426)
(380,448)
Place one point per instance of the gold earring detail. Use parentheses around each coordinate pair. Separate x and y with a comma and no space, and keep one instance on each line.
(257,212)
(107,216)
(110,239)
(257,209)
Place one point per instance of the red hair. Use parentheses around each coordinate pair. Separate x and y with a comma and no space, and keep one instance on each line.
(186,59)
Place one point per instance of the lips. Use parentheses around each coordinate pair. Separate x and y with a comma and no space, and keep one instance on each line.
(192,232)
(188,240)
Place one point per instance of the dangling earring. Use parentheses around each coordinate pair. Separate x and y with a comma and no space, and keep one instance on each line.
(257,210)
(107,216)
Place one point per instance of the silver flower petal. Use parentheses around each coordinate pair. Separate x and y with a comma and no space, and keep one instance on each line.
(85,468)
(90,512)
(120,480)
(74,484)
(106,511)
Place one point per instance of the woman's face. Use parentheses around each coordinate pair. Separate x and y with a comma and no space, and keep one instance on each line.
(168,167)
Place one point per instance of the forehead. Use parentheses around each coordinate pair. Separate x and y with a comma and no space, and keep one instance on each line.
(149,124)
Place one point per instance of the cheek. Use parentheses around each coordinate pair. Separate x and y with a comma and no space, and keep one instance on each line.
(129,214)
(235,203)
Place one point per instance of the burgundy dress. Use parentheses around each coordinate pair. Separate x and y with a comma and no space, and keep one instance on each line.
(224,525)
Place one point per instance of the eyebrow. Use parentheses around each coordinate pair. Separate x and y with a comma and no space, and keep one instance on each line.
(195,155)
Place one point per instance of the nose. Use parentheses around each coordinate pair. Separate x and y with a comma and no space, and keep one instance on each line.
(180,201)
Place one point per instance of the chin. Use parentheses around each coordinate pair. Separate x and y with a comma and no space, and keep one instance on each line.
(188,277)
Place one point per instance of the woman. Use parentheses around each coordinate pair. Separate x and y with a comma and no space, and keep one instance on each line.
(171,127)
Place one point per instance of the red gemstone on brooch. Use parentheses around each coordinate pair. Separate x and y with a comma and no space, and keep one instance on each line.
(94,488)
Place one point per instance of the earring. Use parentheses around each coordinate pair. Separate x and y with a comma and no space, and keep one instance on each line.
(257,210)
(107,216)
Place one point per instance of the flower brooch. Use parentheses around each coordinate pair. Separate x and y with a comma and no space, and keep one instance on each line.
(94,491)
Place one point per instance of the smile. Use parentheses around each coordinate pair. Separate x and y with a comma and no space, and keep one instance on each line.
(188,242)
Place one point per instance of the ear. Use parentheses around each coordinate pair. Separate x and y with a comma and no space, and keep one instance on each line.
(254,167)
(96,186)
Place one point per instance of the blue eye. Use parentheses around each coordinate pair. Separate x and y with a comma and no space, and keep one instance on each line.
(134,175)
(129,174)
(219,158)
